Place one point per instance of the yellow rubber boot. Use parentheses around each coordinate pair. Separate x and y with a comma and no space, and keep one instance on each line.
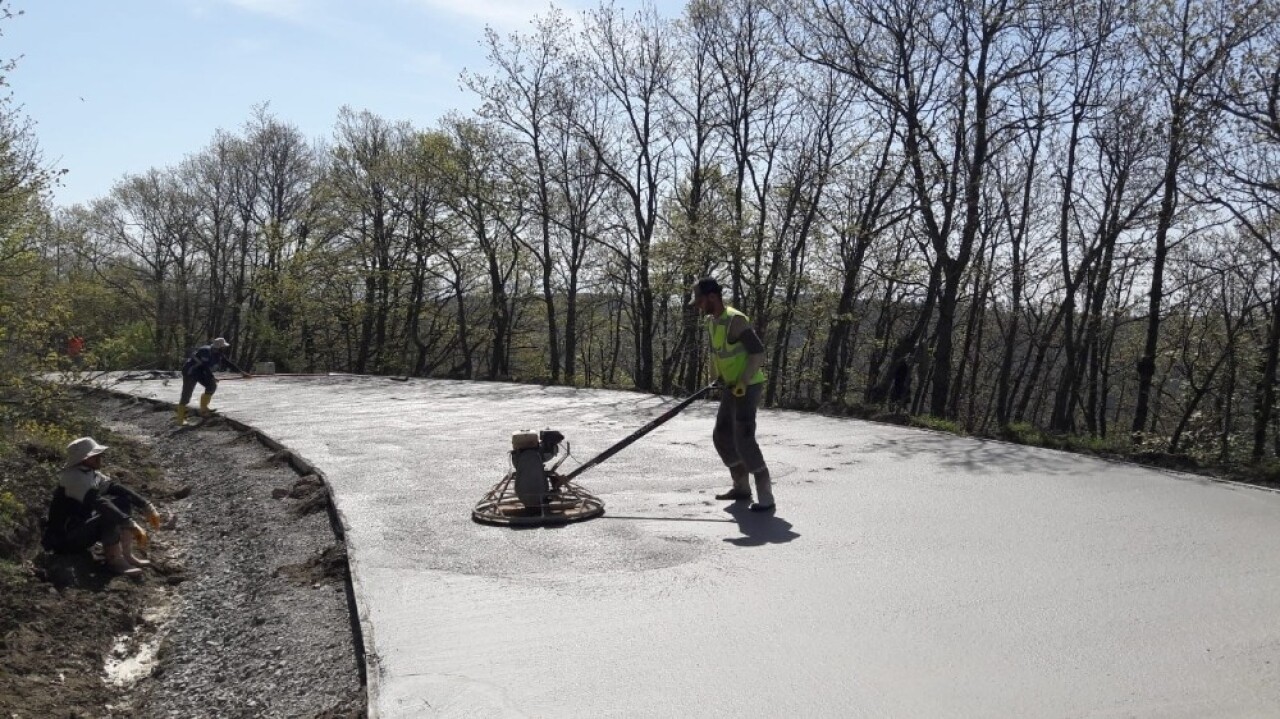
(182,414)
(204,404)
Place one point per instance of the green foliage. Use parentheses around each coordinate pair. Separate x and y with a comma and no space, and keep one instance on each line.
(938,424)
(1028,434)
(11,511)
(29,451)
(1096,445)
(128,346)
(1024,433)
(33,315)
(12,575)
(44,439)
(1267,473)
(38,421)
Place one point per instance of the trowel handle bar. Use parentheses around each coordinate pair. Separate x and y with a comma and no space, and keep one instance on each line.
(657,422)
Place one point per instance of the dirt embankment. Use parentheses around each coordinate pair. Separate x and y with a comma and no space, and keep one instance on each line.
(245,612)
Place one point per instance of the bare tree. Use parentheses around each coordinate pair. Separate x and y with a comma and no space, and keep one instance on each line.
(523,95)
(819,150)
(697,103)
(359,180)
(477,197)
(631,61)
(952,72)
(1250,191)
(148,222)
(866,205)
(1188,45)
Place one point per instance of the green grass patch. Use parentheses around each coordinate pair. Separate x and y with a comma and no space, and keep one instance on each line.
(1023,433)
(13,576)
(1028,434)
(1266,473)
(11,512)
(937,424)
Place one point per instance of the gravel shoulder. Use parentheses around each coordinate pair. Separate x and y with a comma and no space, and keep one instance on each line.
(246,612)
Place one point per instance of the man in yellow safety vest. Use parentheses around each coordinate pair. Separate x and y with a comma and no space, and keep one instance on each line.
(737,355)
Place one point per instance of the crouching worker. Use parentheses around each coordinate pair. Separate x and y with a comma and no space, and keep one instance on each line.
(199,368)
(89,507)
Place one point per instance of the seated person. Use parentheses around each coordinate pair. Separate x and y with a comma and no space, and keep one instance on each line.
(89,507)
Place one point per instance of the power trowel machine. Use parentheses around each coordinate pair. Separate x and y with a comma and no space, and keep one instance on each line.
(535,493)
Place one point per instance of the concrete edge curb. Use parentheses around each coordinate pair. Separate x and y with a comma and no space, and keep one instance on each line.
(367,658)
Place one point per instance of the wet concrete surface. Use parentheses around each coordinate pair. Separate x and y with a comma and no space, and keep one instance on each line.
(905,574)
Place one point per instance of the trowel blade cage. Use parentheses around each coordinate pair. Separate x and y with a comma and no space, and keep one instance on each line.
(500,506)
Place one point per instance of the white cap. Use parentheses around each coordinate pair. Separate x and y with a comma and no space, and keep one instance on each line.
(82,449)
(219,343)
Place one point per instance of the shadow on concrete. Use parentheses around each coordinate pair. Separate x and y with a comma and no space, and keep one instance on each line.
(533,526)
(667,519)
(979,456)
(758,528)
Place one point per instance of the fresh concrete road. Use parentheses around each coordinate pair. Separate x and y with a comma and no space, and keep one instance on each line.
(906,573)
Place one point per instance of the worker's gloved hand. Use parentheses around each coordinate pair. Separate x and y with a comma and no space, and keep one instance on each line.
(153,517)
(740,390)
(139,534)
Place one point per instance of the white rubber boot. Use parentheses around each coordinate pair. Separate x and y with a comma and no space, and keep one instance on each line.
(764,492)
(127,546)
(116,562)
(741,484)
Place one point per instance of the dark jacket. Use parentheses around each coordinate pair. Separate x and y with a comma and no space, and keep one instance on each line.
(105,501)
(208,359)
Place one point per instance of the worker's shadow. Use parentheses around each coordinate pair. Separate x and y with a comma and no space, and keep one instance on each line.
(76,570)
(758,528)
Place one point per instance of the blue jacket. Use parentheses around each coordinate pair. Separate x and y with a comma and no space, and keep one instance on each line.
(207,359)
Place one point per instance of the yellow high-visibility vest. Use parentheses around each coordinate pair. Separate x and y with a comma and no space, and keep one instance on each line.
(731,357)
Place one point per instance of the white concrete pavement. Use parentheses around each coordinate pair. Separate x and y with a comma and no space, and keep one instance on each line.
(905,574)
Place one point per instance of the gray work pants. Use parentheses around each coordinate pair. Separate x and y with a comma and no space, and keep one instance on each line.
(204,376)
(735,432)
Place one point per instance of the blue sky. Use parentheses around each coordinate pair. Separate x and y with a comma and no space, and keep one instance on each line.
(118,87)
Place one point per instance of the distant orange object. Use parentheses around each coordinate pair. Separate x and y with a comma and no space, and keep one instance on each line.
(75,346)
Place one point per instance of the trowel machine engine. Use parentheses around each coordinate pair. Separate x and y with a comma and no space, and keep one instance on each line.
(535,482)
(536,494)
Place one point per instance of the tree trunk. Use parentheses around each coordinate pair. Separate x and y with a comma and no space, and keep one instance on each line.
(1265,393)
(945,329)
(1168,205)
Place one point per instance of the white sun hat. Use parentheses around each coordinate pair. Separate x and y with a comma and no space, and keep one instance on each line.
(82,449)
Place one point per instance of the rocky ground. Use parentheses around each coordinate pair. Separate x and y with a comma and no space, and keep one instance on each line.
(246,612)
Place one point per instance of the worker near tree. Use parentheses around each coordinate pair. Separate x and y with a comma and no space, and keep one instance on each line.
(737,358)
(89,507)
(199,368)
